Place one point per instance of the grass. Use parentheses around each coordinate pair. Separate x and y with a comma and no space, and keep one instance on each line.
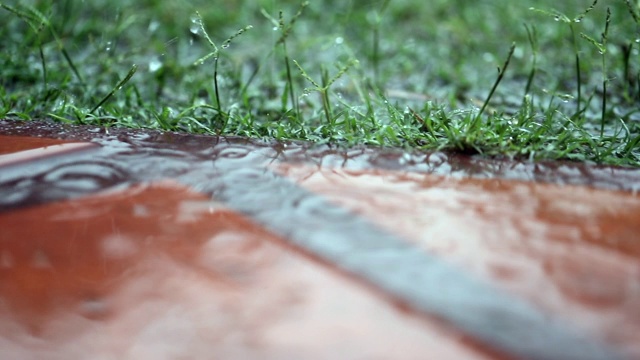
(387,73)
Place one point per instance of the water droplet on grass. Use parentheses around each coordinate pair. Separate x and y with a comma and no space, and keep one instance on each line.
(195,25)
(153,26)
(194,29)
(155,65)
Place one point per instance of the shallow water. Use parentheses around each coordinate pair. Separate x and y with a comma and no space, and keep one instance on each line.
(402,223)
(158,271)
(190,148)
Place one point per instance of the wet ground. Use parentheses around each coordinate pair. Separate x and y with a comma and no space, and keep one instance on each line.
(137,244)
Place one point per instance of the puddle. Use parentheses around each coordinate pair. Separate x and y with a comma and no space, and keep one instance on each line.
(552,245)
(159,271)
(505,256)
(181,149)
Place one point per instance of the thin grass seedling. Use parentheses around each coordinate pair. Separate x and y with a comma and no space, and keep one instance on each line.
(558,16)
(326,84)
(285,30)
(215,54)
(602,49)
(533,42)
(476,120)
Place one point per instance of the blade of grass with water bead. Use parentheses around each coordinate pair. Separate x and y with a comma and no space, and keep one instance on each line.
(118,86)
(476,120)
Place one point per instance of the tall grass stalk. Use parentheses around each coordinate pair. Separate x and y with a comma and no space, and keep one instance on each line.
(602,49)
(118,86)
(215,54)
(325,84)
(533,42)
(558,16)
(476,120)
(285,30)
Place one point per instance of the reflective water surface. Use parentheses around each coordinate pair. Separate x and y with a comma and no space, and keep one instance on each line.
(126,240)
(189,146)
(570,250)
(161,272)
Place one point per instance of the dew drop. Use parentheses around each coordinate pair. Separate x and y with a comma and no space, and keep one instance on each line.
(195,25)
(194,29)
(155,65)
(153,26)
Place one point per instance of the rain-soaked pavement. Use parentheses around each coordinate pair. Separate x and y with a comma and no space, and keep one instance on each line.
(144,245)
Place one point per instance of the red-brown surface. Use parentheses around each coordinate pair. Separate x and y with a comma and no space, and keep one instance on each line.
(574,251)
(156,270)
(12,144)
(160,272)
(19,149)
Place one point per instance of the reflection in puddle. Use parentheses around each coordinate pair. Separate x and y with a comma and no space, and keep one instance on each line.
(570,250)
(171,154)
(168,272)
(189,279)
